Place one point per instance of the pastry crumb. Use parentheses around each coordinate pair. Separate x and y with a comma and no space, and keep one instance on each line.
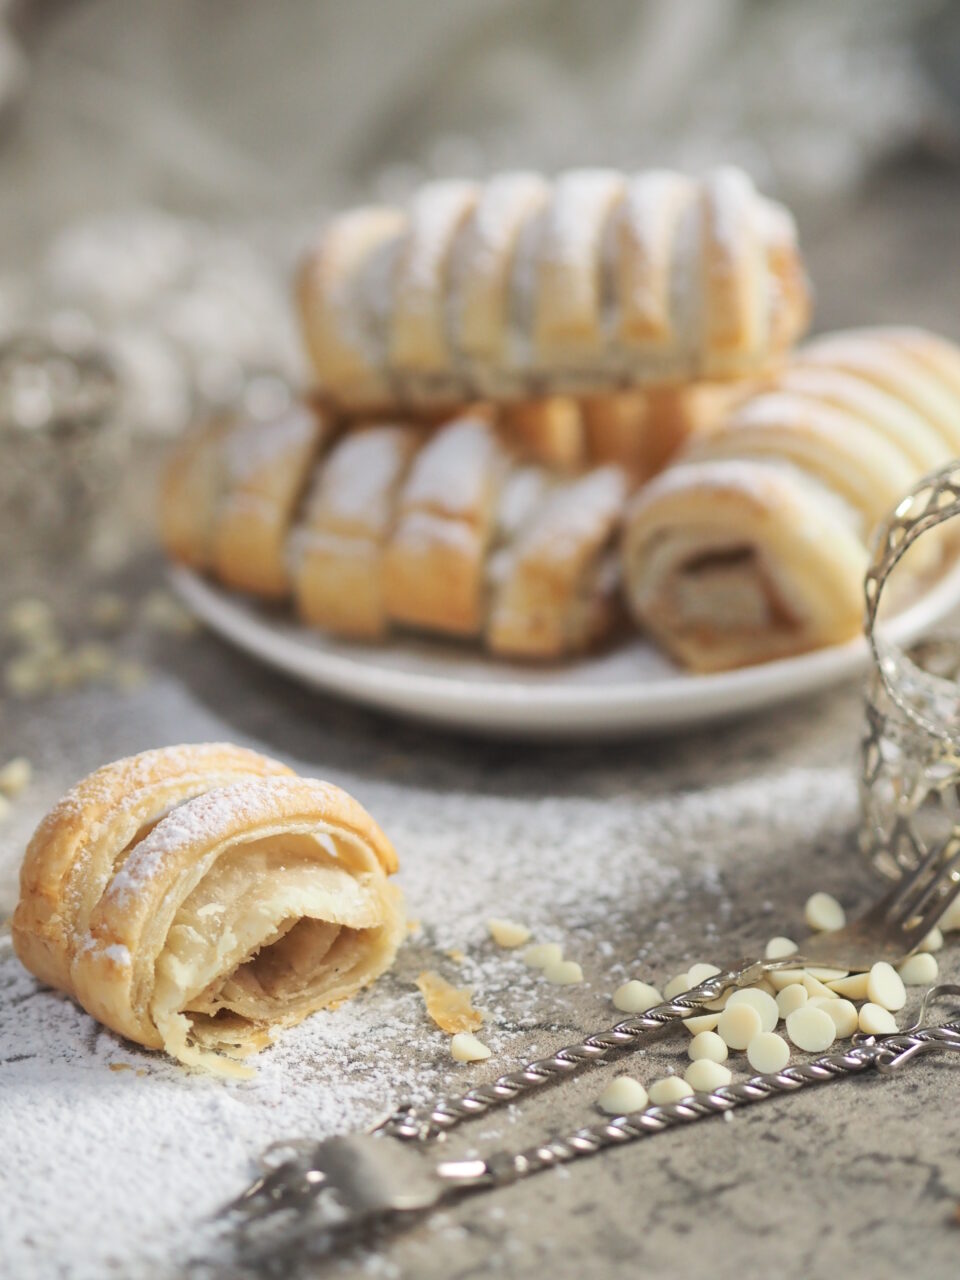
(456,955)
(119,1066)
(449,1006)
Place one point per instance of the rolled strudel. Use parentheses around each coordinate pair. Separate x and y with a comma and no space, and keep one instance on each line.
(752,545)
(521,286)
(198,898)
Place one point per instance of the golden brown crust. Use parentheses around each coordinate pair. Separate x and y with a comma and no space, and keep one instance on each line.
(558,589)
(341,543)
(434,566)
(168,886)
(267,471)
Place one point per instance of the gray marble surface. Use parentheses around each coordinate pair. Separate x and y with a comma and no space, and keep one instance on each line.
(698,844)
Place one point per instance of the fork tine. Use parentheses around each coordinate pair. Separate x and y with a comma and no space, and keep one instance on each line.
(937,897)
(947,873)
(895,901)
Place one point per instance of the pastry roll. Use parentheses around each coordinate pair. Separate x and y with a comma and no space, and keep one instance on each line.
(198,898)
(340,546)
(433,574)
(728,563)
(231,491)
(554,587)
(753,544)
(267,465)
(522,287)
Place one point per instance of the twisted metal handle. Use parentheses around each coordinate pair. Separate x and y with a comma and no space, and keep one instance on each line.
(887,1054)
(422,1124)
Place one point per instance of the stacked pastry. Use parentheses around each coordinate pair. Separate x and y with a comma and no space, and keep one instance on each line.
(753,544)
(446,530)
(500,366)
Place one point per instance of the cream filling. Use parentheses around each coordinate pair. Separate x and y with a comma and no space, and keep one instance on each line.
(270,934)
(726,586)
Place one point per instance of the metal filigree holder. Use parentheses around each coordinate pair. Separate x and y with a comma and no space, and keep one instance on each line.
(910,777)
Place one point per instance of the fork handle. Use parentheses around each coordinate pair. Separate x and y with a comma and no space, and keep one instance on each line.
(423,1123)
(884,1055)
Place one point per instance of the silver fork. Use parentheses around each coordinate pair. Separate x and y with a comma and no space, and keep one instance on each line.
(342,1187)
(890,929)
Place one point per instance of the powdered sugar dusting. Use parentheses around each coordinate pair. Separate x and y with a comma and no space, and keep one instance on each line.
(614,878)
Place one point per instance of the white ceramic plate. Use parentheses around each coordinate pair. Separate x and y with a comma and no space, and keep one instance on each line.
(633,689)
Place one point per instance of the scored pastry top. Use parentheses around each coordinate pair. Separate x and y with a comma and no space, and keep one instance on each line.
(522,285)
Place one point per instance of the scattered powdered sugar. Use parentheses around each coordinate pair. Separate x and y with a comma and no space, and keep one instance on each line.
(126,1151)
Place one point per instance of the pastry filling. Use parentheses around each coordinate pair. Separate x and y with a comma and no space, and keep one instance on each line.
(276,928)
(728,589)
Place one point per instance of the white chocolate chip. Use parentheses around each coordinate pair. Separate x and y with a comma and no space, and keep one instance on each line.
(738,1025)
(824,913)
(623,1095)
(814,987)
(707,1045)
(705,1075)
(508,933)
(768,1052)
(779,947)
(877,1021)
(919,970)
(885,987)
(676,986)
(844,1015)
(790,998)
(780,978)
(764,1004)
(811,1029)
(563,973)
(15,776)
(702,1022)
(826,975)
(542,954)
(636,997)
(698,973)
(465,1047)
(950,919)
(669,1089)
(933,941)
(853,988)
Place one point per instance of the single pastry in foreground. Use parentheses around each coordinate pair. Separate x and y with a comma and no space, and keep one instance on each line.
(198,898)
(753,544)
(522,286)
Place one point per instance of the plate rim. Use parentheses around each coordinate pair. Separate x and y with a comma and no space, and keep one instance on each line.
(575,708)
